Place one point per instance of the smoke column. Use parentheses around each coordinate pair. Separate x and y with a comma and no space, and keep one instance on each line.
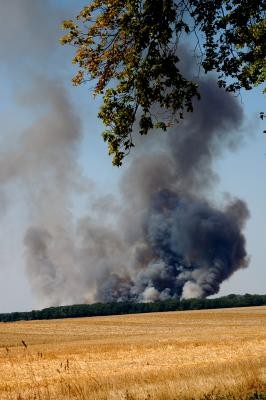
(167,240)
(177,242)
(162,237)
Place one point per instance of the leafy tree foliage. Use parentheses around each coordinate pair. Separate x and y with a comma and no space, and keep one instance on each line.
(129,50)
(97,309)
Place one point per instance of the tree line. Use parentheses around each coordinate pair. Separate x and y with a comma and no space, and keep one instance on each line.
(119,308)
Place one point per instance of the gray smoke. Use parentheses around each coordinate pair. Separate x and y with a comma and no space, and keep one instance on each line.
(162,237)
(179,243)
(167,239)
(39,173)
(42,166)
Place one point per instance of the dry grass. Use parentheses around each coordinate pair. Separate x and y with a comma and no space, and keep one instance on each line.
(148,356)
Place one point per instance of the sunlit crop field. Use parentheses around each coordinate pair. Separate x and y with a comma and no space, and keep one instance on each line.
(172,355)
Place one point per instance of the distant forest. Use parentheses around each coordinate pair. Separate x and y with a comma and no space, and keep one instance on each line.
(97,309)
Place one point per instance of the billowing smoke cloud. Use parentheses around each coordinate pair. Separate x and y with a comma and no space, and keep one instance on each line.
(167,240)
(162,237)
(178,243)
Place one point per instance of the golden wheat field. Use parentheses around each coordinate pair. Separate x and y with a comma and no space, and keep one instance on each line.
(172,355)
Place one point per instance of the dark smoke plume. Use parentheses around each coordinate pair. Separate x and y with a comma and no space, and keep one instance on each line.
(167,240)
(178,243)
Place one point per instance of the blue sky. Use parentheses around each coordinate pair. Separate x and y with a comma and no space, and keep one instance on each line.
(30,54)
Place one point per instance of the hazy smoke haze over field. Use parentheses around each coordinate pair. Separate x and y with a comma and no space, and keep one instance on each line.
(163,236)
